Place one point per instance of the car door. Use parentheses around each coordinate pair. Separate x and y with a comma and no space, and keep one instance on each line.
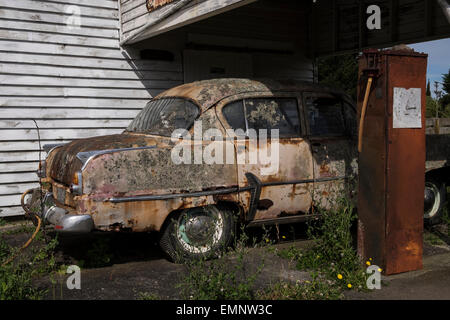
(331,126)
(275,175)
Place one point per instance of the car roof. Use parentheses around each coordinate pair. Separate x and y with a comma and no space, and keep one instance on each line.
(207,93)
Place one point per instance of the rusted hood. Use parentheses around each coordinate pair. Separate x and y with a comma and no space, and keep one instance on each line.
(63,162)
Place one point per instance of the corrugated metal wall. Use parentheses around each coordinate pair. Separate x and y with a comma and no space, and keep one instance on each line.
(75,82)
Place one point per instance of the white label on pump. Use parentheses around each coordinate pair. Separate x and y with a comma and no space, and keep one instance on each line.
(407,108)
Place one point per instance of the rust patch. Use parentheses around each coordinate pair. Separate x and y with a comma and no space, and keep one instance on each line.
(155,4)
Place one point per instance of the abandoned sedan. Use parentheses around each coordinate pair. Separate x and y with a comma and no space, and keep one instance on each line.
(201,157)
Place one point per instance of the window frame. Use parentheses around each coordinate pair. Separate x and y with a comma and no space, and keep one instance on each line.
(343,101)
(278,95)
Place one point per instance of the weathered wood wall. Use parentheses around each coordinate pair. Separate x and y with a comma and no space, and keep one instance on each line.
(274,33)
(76,82)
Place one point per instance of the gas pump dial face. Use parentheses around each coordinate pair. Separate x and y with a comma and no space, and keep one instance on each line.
(407,111)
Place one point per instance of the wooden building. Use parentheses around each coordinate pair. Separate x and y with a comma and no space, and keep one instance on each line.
(82,68)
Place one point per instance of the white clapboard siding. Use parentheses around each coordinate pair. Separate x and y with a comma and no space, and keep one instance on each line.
(72,113)
(56,18)
(23,166)
(24,156)
(29,145)
(16,188)
(11,199)
(59,49)
(57,7)
(75,82)
(111,4)
(74,72)
(37,91)
(47,37)
(11,211)
(18,176)
(27,134)
(62,29)
(64,123)
(168,71)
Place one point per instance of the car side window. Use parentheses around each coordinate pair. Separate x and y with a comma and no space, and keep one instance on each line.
(264,113)
(325,115)
(234,114)
(273,113)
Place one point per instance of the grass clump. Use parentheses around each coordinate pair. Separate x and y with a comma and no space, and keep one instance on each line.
(318,288)
(16,277)
(332,256)
(225,278)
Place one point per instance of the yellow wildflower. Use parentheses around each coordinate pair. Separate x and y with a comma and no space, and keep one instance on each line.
(339,276)
(368,263)
(349,285)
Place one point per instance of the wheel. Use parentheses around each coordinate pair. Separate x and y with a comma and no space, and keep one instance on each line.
(196,233)
(434,200)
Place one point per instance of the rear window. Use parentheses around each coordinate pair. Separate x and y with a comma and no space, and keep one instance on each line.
(163,116)
(328,115)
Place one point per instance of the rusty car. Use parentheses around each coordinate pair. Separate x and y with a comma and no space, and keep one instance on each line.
(129,181)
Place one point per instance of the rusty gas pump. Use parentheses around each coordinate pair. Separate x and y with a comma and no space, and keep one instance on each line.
(391,107)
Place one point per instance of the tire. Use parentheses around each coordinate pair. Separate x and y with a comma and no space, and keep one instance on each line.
(198,233)
(434,200)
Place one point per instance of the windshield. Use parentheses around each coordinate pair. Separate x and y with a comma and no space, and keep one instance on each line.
(163,116)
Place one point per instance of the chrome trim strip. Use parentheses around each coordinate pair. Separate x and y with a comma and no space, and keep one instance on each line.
(214,192)
(175,195)
(86,156)
(50,147)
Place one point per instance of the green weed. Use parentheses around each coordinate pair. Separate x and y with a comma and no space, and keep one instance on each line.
(332,255)
(225,278)
(16,278)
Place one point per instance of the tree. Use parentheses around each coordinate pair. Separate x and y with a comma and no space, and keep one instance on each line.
(445,100)
(340,71)
(446,82)
(428,89)
(430,107)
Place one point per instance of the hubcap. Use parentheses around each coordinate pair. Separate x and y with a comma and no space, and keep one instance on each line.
(200,229)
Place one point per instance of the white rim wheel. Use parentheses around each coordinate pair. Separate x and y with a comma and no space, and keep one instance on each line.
(199,231)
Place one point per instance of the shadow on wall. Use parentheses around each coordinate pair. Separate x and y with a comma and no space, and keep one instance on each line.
(156,70)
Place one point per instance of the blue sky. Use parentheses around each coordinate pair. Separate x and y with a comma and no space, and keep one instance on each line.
(438,58)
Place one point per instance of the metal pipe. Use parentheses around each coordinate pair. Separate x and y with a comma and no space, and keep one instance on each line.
(363,114)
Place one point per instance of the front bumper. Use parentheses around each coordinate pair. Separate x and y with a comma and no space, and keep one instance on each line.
(56,216)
